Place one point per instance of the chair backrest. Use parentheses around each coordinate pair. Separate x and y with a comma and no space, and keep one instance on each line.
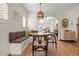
(33,31)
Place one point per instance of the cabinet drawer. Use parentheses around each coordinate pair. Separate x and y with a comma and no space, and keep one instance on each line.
(66,35)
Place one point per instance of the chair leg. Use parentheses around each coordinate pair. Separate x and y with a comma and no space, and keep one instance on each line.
(55,41)
(46,49)
(46,52)
(32,49)
(33,52)
(56,44)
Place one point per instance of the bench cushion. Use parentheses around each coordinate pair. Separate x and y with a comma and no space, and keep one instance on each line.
(19,40)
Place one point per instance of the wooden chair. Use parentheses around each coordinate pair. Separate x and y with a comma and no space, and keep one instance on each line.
(53,39)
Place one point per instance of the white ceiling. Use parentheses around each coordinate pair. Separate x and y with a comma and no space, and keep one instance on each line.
(51,8)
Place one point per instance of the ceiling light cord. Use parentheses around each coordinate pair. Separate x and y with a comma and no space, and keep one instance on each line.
(40,6)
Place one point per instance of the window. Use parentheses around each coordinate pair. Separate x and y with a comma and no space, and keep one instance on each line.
(24,21)
(4,11)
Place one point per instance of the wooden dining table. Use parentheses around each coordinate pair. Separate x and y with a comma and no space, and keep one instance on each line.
(38,36)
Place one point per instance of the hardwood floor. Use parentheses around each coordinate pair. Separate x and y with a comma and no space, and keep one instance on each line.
(63,49)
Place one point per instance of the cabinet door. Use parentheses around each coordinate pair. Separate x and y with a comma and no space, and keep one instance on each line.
(70,35)
(66,35)
(78,36)
(78,32)
(73,36)
(77,28)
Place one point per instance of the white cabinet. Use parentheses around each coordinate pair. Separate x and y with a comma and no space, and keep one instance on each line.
(69,35)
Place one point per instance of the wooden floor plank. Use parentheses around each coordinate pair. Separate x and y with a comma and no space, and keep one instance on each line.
(63,49)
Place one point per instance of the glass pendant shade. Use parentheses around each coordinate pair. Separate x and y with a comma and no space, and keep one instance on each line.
(40,14)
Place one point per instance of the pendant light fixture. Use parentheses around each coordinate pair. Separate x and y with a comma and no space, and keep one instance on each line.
(40,14)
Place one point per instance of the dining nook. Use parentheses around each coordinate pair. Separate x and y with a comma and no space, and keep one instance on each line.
(39,29)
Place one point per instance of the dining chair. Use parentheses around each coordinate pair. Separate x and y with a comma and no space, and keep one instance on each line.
(52,39)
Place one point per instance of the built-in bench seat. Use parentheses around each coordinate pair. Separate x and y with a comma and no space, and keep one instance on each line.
(17,37)
(18,42)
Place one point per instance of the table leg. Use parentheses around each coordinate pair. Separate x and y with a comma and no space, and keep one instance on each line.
(34,38)
(46,48)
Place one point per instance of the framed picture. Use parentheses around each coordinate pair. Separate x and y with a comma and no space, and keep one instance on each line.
(16,15)
(65,23)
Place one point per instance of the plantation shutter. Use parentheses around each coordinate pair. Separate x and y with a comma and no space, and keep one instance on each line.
(4,11)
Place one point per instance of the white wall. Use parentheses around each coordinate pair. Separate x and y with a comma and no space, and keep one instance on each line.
(32,22)
(17,25)
(50,21)
(4,43)
(60,16)
(10,25)
(72,18)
